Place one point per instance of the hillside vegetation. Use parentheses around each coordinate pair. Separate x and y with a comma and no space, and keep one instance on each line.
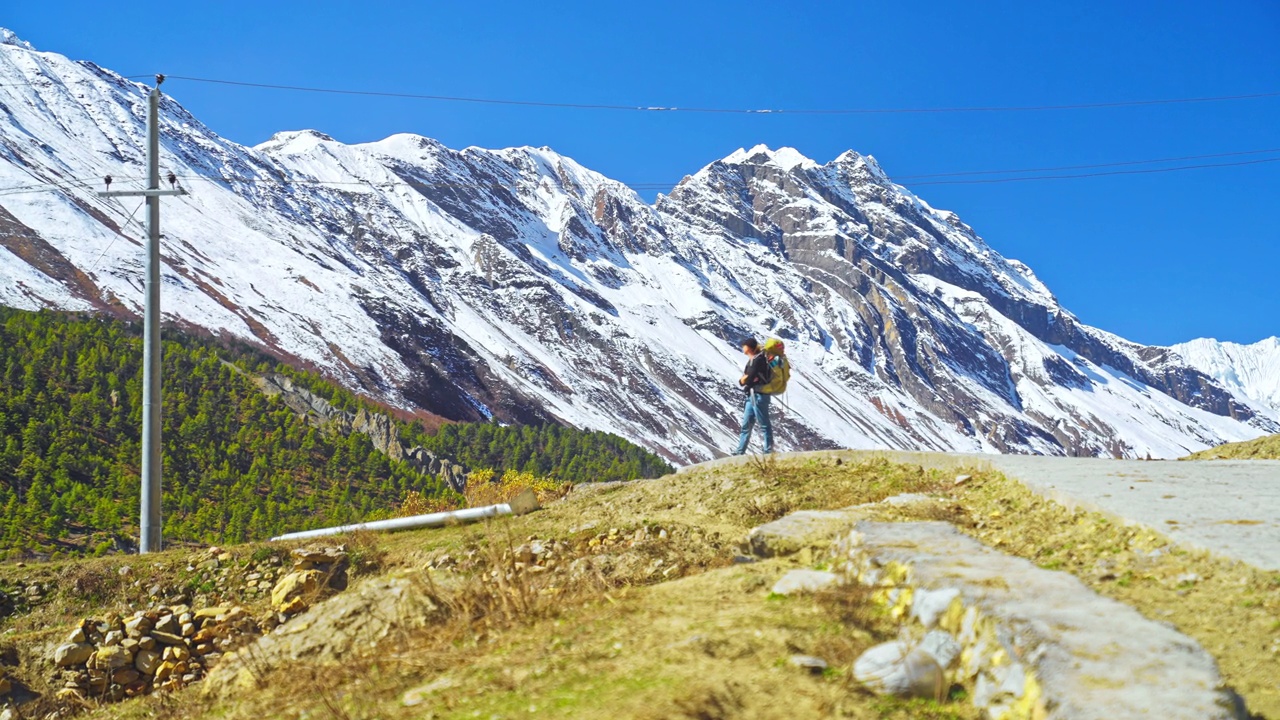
(551,451)
(239,465)
(1263,448)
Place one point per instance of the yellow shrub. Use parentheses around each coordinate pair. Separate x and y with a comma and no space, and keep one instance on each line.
(484,488)
(415,504)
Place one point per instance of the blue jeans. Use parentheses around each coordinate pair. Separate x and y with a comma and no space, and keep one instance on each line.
(755,411)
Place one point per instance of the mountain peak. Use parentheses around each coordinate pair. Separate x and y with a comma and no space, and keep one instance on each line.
(287,138)
(9,37)
(786,158)
(857,161)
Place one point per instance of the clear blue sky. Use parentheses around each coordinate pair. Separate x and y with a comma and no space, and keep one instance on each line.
(1155,258)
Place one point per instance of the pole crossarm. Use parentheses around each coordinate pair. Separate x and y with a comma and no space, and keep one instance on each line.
(142,193)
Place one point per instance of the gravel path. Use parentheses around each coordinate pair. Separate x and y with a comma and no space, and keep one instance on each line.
(1228,507)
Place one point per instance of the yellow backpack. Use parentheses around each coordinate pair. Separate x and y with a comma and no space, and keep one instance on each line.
(775,352)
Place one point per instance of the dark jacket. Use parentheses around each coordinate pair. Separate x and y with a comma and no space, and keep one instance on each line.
(758,373)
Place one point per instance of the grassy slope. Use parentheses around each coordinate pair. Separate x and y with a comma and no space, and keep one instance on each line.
(707,640)
(1263,448)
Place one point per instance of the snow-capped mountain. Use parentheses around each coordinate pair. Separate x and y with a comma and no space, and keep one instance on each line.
(1250,371)
(518,285)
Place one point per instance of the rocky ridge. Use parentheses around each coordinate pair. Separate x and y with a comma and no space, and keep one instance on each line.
(379,428)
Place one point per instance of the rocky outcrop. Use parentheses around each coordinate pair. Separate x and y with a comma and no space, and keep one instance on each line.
(1024,642)
(380,429)
(337,630)
(164,648)
(1043,647)
(173,644)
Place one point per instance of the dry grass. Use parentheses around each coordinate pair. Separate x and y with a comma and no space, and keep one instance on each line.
(698,636)
(1263,448)
(656,621)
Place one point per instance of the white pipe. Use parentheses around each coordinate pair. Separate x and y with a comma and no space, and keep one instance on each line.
(406,523)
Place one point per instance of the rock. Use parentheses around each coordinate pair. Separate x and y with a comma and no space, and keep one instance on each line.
(312,555)
(164,670)
(167,624)
(125,676)
(78,636)
(806,528)
(110,658)
(929,605)
(296,586)
(146,642)
(72,654)
(811,663)
(804,581)
(962,479)
(178,653)
(942,646)
(330,632)
(113,638)
(1035,642)
(212,613)
(146,662)
(70,695)
(896,668)
(138,626)
(188,629)
(523,503)
(165,638)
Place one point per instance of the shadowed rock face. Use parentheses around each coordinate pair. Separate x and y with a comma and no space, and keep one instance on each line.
(380,429)
(519,286)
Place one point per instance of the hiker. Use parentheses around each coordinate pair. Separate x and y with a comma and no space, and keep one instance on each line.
(756,375)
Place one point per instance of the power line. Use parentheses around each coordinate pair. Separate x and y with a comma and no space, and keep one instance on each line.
(113,240)
(1087,167)
(1145,171)
(740,111)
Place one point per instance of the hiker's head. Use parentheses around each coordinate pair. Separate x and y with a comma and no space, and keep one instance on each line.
(750,346)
